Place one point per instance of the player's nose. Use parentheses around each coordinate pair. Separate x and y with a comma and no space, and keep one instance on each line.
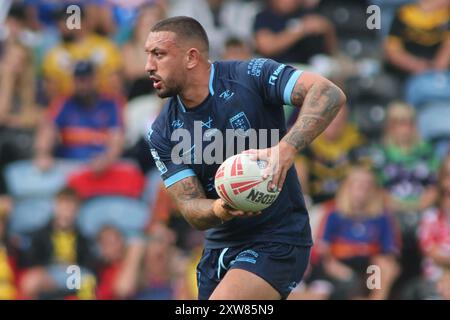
(150,66)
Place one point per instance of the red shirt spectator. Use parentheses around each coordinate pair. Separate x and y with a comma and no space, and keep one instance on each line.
(434,235)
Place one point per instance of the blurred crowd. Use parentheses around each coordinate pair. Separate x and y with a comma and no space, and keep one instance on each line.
(79,187)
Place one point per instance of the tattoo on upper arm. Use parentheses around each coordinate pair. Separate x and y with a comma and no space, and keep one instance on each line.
(332,101)
(298,94)
(319,106)
(187,189)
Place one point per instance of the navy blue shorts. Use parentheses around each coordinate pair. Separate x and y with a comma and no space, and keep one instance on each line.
(281,265)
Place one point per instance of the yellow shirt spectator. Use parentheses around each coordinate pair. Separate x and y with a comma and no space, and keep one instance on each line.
(59,61)
(7,287)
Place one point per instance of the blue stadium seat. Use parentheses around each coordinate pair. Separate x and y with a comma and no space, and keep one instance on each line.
(30,214)
(24,180)
(32,191)
(429,93)
(127,214)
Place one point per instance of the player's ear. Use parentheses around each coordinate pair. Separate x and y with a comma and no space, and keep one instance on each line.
(192,58)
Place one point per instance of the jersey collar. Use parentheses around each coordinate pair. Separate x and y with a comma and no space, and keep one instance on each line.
(211,79)
(211,89)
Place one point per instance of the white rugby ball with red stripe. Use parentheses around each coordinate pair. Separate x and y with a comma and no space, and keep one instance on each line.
(239,183)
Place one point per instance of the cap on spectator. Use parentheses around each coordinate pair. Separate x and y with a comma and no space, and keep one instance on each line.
(83,68)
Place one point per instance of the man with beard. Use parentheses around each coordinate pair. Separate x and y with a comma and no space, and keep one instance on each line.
(87,125)
(80,43)
(247,255)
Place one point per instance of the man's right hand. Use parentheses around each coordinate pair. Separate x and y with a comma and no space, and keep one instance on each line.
(225,212)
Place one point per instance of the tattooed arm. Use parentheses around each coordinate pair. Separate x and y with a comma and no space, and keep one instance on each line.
(320,101)
(200,212)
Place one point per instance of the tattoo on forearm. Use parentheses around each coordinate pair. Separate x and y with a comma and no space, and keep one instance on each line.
(319,107)
(192,203)
(190,189)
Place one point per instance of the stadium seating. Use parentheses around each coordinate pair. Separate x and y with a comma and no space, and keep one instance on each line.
(127,214)
(32,191)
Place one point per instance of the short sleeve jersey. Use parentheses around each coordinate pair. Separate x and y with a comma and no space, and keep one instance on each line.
(245,98)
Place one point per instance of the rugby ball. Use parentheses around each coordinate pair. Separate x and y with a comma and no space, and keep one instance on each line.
(239,182)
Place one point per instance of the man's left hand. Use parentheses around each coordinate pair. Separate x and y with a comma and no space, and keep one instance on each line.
(279,159)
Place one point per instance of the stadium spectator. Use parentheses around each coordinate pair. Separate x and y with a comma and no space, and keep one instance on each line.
(80,44)
(18,107)
(443,286)
(356,234)
(221,19)
(289,31)
(5,205)
(100,18)
(121,17)
(406,166)
(237,49)
(434,235)
(8,267)
(88,126)
(22,25)
(163,266)
(41,14)
(136,79)
(419,38)
(388,8)
(16,26)
(119,263)
(323,165)
(46,253)
(404,158)
(19,113)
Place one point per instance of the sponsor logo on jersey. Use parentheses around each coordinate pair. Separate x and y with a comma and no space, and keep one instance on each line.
(176,124)
(254,67)
(226,95)
(274,76)
(159,164)
(240,122)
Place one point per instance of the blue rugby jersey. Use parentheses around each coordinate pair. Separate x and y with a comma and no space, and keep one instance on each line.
(243,96)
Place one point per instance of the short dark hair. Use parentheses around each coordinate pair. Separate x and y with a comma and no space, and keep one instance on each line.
(107,227)
(184,27)
(18,11)
(68,193)
(234,42)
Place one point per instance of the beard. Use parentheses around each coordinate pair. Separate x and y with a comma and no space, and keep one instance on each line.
(68,38)
(168,91)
